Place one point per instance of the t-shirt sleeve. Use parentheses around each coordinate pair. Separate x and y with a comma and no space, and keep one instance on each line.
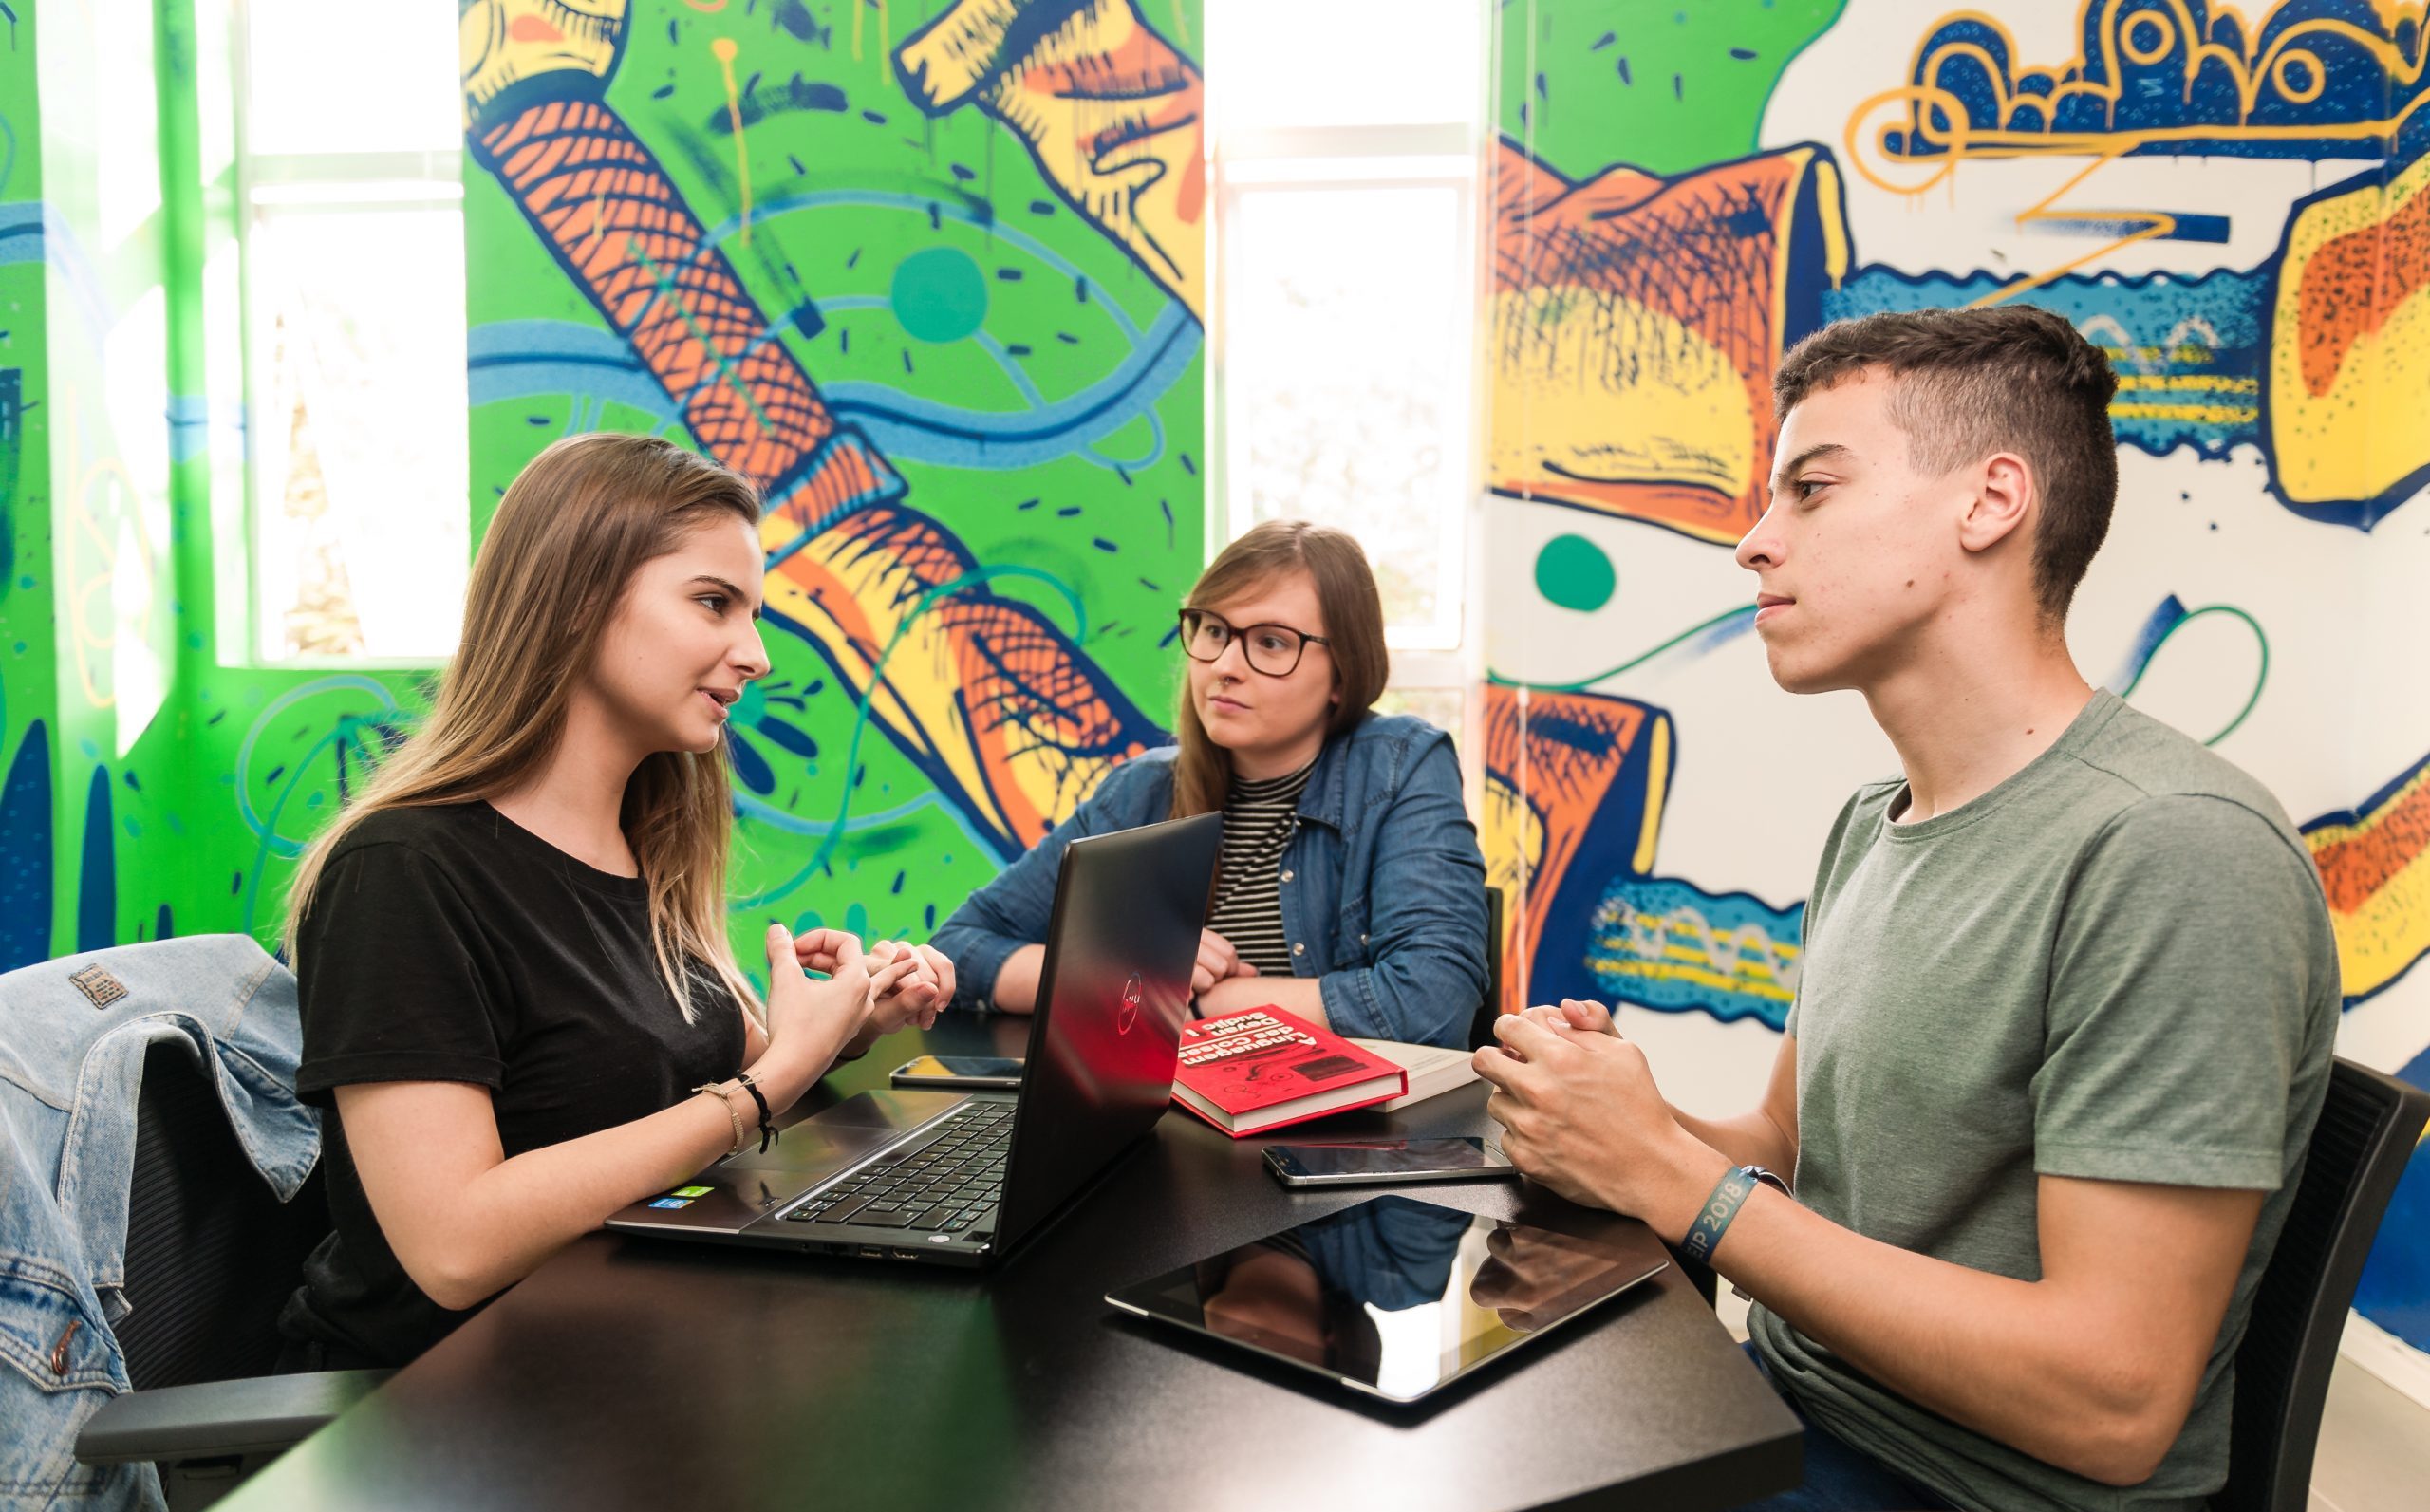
(2181,979)
(394,978)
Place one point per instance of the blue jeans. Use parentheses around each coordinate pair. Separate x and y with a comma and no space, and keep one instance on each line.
(1838,1475)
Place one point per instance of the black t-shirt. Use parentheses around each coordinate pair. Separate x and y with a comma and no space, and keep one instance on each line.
(450,944)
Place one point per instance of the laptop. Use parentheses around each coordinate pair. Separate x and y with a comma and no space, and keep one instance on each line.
(959,1178)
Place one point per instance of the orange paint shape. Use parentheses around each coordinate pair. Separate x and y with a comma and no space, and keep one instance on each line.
(1703,255)
(2377,847)
(2354,283)
(611,213)
(1562,757)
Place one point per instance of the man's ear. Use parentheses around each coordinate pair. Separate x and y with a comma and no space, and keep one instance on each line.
(2003,494)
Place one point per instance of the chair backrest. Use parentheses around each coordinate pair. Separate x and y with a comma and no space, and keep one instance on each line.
(1481,1027)
(212,1254)
(2368,1126)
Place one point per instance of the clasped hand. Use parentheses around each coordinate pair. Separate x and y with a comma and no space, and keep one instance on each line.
(1578,1109)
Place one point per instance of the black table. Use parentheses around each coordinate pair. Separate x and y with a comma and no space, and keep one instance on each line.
(629,1372)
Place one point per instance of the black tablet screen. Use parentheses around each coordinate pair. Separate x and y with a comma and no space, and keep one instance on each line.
(1394,1296)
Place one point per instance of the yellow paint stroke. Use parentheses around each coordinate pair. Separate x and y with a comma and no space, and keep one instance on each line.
(2217,383)
(1719,981)
(1658,778)
(724,49)
(598,222)
(2199,414)
(1181,25)
(884,22)
(2156,223)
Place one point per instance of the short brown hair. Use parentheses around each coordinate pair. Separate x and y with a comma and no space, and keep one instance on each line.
(1353,632)
(1975,382)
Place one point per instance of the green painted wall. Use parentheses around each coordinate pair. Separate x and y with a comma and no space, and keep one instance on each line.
(1012,351)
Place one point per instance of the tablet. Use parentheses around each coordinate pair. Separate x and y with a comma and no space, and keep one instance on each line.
(1394,1297)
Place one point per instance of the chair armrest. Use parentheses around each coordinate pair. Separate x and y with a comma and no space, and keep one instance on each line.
(254,1415)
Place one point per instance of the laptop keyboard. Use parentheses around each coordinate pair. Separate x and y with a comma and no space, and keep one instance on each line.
(942,1188)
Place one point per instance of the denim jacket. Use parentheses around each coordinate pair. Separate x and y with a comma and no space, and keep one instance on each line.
(1383,886)
(73,1033)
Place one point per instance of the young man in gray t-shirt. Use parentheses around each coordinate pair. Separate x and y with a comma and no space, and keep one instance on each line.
(2069,993)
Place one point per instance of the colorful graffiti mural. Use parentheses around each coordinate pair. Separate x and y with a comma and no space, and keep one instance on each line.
(2232,205)
(983,503)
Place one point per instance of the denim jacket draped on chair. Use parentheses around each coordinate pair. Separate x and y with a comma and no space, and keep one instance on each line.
(73,1035)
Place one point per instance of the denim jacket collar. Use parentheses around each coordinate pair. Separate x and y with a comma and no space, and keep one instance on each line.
(1321,800)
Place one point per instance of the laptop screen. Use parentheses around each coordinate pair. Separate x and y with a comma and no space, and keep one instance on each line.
(1106,1040)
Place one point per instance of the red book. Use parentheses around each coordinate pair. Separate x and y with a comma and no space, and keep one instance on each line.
(1260,1068)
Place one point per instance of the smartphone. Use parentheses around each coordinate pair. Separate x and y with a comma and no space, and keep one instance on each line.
(960,1071)
(1394,1160)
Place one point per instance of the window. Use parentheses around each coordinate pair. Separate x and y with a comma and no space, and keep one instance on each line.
(350,225)
(1348,143)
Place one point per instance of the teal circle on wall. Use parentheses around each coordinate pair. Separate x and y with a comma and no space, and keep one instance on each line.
(1575,573)
(939,295)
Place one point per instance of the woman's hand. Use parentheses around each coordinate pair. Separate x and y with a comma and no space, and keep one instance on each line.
(809,1023)
(918,995)
(1217,961)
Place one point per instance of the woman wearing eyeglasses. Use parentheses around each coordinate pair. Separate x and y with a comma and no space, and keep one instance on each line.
(1351,890)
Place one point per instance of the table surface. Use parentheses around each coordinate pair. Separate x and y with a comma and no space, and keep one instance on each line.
(634,1372)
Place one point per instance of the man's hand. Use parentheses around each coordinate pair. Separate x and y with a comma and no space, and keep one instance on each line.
(1217,961)
(1528,1272)
(1582,1115)
(1577,1014)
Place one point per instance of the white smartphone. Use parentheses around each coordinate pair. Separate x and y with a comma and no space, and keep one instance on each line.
(960,1071)
(1387,1160)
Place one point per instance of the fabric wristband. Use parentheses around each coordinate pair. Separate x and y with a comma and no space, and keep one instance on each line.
(1713,1220)
(767,1131)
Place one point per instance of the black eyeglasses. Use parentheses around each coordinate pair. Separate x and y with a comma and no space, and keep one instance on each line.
(1273,649)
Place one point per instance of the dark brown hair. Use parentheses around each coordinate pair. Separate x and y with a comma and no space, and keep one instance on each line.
(1973,381)
(1353,630)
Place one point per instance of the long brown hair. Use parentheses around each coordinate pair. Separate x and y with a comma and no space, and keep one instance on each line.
(1353,630)
(573,529)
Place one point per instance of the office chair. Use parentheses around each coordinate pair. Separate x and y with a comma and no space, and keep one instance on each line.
(1481,1027)
(211,1257)
(2368,1127)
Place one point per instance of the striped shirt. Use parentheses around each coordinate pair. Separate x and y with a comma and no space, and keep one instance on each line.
(1249,894)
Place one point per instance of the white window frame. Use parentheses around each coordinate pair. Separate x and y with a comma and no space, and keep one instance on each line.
(335,181)
(1372,156)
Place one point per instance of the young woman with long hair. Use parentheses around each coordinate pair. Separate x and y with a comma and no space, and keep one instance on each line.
(518,990)
(1351,889)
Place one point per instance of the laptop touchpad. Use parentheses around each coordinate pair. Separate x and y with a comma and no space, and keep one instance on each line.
(810,1149)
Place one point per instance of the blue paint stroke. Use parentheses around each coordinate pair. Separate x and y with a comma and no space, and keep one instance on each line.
(2395,1289)
(26,853)
(2350,82)
(97,883)
(2210,335)
(524,359)
(1732,935)
(2183,226)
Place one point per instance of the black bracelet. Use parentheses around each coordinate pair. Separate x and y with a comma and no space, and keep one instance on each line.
(767,1130)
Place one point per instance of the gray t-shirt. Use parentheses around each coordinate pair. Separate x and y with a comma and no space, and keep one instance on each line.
(2116,964)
